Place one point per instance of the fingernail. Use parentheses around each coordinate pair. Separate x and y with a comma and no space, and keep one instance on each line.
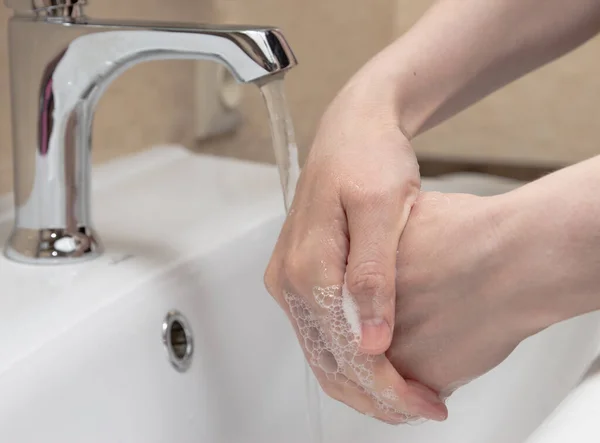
(426,403)
(430,411)
(375,334)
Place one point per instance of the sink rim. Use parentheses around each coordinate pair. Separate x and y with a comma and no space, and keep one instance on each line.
(51,301)
(64,284)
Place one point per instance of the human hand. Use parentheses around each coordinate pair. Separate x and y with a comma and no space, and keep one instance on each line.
(455,308)
(333,268)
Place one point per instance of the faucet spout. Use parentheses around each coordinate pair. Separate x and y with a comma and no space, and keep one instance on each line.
(60,69)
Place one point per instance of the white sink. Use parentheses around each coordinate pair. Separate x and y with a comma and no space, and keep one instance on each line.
(82,357)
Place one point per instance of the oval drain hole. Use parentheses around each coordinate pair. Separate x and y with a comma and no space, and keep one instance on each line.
(178,340)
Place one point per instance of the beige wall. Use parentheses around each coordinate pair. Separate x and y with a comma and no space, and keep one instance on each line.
(5,175)
(548,116)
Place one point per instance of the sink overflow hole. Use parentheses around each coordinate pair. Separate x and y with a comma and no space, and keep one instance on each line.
(178,340)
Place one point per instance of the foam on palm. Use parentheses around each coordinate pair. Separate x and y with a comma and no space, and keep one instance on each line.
(331,338)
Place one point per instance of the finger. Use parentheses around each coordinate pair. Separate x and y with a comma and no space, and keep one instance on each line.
(331,345)
(363,400)
(331,349)
(393,397)
(369,384)
(425,402)
(368,404)
(326,362)
(389,399)
(375,223)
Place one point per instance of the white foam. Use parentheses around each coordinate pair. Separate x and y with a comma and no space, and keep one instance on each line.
(330,334)
(389,394)
(350,309)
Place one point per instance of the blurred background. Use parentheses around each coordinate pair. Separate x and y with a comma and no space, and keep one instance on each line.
(543,121)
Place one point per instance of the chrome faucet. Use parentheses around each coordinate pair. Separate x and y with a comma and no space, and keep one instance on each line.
(61,62)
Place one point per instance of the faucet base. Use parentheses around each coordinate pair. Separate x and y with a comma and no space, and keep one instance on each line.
(52,246)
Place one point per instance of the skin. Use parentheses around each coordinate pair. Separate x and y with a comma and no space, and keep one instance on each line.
(461,259)
(478,275)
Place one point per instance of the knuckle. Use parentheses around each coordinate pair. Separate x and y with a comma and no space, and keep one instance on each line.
(295,266)
(367,280)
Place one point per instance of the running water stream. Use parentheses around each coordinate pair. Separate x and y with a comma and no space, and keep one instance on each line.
(286,156)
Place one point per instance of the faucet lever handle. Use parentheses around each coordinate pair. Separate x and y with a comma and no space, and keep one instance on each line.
(53,8)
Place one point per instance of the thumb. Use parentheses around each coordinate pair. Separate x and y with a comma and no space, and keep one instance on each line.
(374,228)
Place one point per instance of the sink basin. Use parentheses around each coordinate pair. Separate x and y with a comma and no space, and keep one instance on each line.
(83,358)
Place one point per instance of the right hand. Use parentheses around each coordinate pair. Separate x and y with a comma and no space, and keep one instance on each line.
(333,267)
(459,306)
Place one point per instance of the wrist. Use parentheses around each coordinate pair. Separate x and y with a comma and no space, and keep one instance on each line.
(548,251)
(520,283)
(494,270)
(396,83)
(370,92)
(374,91)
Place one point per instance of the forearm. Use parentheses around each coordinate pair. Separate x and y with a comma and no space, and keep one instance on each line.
(462,50)
(548,235)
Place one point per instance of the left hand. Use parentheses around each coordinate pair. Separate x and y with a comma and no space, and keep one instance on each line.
(333,268)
